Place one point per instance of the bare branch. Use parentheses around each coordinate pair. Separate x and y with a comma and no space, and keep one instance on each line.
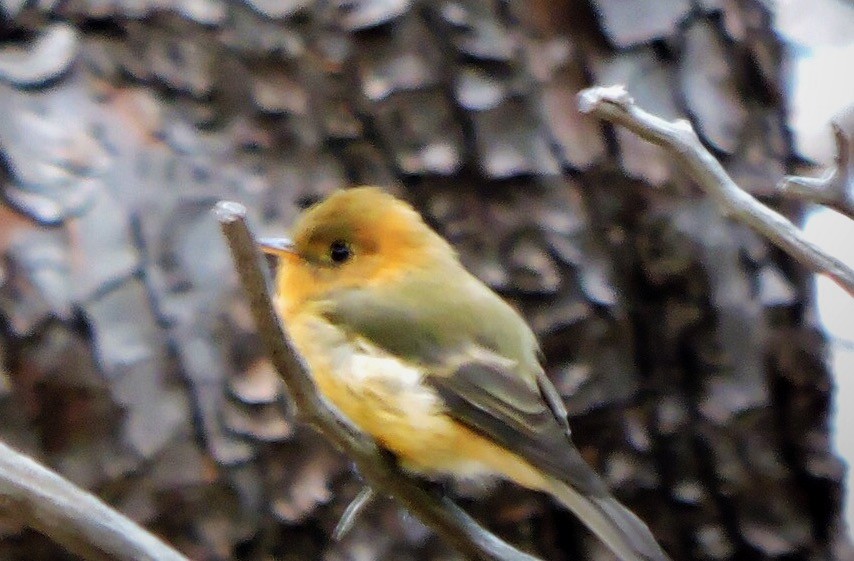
(74,518)
(834,189)
(378,468)
(615,105)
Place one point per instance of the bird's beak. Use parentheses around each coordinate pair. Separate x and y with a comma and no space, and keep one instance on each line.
(277,246)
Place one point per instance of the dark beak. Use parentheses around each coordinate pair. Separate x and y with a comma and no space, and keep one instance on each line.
(276,246)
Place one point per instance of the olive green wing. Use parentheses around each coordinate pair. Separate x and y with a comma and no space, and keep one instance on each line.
(483,359)
(493,401)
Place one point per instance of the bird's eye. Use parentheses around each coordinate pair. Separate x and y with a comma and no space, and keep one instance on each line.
(339,251)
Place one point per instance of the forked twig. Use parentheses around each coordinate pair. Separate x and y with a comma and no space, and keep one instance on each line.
(834,189)
(614,104)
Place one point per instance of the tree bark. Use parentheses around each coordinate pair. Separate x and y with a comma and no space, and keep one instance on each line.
(681,341)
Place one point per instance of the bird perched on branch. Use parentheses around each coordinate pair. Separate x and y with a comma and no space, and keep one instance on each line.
(421,355)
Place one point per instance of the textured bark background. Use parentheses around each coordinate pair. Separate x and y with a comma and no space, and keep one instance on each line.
(682,343)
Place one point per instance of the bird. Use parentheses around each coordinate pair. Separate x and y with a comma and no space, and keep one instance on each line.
(421,355)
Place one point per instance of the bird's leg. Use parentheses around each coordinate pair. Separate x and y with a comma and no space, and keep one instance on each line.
(367,496)
(363,500)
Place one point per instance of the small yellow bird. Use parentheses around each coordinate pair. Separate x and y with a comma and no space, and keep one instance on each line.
(421,355)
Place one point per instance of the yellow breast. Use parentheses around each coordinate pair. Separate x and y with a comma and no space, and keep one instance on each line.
(386,397)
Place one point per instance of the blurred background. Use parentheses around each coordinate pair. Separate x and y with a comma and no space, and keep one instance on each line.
(691,354)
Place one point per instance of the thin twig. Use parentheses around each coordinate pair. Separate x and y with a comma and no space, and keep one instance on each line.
(615,105)
(77,520)
(834,189)
(447,519)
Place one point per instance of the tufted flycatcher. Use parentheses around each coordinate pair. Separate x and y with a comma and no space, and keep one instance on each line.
(421,355)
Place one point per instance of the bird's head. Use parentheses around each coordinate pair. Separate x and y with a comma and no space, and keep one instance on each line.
(355,237)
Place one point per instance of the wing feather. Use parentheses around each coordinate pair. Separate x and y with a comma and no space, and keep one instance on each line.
(501,406)
(484,363)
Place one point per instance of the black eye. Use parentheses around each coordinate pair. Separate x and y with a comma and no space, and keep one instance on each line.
(339,251)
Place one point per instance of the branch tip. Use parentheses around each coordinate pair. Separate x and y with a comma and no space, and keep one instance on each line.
(591,98)
(229,211)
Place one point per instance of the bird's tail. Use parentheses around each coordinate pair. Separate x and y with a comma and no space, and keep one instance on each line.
(623,532)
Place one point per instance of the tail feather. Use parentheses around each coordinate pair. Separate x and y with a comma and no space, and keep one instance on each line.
(623,532)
